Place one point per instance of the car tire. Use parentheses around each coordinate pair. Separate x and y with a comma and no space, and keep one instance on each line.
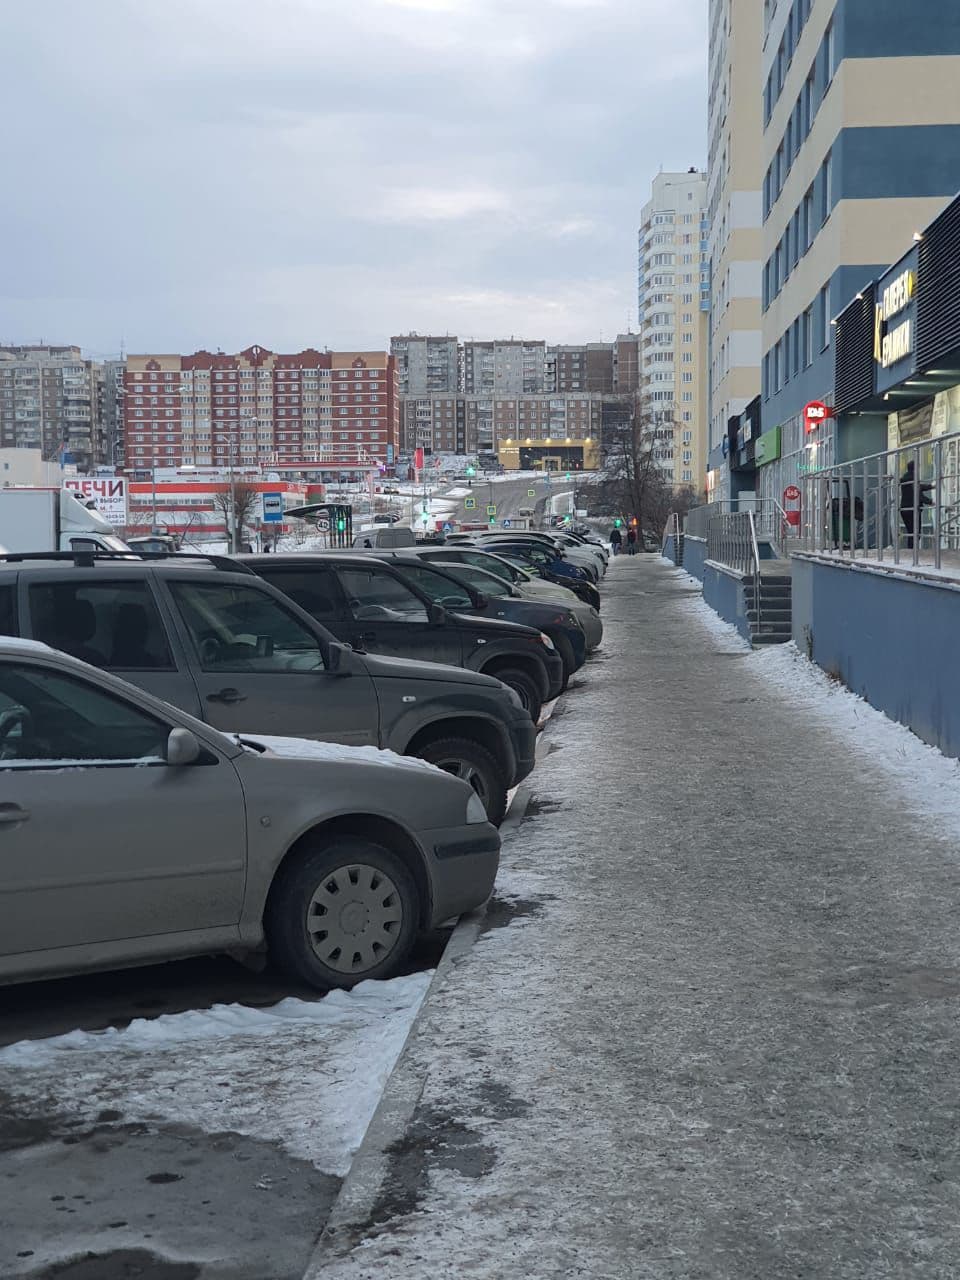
(523,684)
(474,763)
(565,650)
(348,893)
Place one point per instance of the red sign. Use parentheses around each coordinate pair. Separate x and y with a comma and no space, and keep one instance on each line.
(815,414)
(418,459)
(791,493)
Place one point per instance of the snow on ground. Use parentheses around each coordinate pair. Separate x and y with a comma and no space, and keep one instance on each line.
(309,749)
(306,1074)
(927,778)
(458,492)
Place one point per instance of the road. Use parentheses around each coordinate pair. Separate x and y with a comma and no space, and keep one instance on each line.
(711,1029)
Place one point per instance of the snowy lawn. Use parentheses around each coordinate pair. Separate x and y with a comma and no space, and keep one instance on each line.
(308,1074)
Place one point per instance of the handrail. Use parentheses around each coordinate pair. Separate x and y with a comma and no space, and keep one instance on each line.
(732,541)
(898,505)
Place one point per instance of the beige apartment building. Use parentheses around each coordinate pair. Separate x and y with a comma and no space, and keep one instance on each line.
(735,211)
(673,305)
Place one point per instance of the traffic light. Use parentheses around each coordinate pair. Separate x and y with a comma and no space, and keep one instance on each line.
(568,475)
(341,524)
(471,471)
(567,519)
(634,522)
(618,523)
(492,519)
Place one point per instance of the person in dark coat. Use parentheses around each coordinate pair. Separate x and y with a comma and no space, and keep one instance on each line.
(616,539)
(907,499)
(631,542)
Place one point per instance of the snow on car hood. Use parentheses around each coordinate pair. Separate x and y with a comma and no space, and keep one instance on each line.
(309,749)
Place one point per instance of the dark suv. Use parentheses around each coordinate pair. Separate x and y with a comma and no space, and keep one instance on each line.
(231,650)
(370,605)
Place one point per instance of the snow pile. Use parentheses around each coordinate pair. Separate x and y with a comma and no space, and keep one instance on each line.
(309,749)
(306,1074)
(458,492)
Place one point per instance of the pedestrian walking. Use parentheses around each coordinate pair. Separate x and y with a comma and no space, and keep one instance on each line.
(616,540)
(911,503)
(631,542)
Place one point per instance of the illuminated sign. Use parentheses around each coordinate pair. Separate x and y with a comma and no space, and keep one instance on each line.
(893,344)
(815,414)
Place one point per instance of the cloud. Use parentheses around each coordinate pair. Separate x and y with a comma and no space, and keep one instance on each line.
(330,173)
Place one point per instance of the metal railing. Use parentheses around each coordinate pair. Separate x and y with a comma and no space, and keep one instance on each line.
(769,518)
(901,506)
(674,529)
(732,542)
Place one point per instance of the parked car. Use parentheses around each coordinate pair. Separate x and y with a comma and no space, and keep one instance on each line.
(529,585)
(230,649)
(133,832)
(467,590)
(370,605)
(548,563)
(394,536)
(568,549)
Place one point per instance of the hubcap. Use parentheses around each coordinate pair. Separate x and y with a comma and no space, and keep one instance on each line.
(469,773)
(354,918)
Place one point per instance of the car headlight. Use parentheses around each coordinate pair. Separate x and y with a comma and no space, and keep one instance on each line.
(545,640)
(475,810)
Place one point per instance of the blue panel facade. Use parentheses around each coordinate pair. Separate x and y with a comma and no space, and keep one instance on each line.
(816,381)
(891,641)
(897,161)
(891,29)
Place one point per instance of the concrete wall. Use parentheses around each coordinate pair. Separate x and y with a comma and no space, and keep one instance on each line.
(669,549)
(723,592)
(694,555)
(889,639)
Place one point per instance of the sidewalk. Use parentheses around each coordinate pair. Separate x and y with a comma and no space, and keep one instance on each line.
(711,1025)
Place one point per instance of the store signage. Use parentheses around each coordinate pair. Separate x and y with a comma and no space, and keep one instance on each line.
(894,320)
(768,447)
(814,415)
(107,493)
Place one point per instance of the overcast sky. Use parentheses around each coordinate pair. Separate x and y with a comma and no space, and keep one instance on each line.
(212,173)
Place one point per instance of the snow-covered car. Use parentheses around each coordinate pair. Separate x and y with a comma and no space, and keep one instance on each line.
(132,832)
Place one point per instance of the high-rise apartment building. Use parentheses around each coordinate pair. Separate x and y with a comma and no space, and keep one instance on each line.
(114,372)
(606,368)
(734,208)
(508,366)
(260,408)
(51,400)
(426,366)
(861,149)
(674,299)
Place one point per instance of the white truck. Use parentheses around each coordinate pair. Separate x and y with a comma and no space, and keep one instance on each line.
(53,520)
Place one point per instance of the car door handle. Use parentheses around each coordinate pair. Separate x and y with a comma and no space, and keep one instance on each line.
(11,814)
(227,695)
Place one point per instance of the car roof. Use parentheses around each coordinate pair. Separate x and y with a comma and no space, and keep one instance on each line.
(348,555)
(69,563)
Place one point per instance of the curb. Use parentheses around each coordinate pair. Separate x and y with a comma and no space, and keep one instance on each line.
(361,1187)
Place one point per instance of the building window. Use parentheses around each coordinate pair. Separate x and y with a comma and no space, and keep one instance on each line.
(826,188)
(829,57)
(823,317)
(806,338)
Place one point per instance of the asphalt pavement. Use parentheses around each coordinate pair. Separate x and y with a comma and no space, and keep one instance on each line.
(710,1025)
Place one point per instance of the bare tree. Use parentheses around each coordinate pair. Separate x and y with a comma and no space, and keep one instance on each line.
(237,502)
(636,474)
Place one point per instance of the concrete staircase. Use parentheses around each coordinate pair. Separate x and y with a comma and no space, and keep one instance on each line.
(771,624)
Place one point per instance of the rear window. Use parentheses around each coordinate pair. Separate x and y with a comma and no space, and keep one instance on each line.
(115,625)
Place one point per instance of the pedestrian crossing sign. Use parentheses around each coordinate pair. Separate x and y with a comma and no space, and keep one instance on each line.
(491,508)
(531,493)
(470,503)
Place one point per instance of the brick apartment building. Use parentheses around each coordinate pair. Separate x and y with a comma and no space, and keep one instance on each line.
(313,409)
(51,400)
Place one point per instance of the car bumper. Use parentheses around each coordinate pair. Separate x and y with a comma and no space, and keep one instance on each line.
(464,862)
(523,736)
(592,628)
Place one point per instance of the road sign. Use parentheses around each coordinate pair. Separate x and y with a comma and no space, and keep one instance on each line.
(272,508)
(531,493)
(470,504)
(581,513)
(323,525)
(491,508)
(506,524)
(447,527)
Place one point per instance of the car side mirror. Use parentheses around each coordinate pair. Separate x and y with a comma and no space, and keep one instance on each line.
(182,748)
(437,615)
(335,659)
(481,601)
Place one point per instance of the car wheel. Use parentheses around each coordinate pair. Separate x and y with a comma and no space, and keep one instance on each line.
(341,913)
(474,764)
(525,686)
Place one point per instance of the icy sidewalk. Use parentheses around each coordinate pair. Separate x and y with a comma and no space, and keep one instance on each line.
(710,1027)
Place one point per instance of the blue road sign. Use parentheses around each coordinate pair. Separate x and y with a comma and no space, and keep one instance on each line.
(506,524)
(447,527)
(272,508)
